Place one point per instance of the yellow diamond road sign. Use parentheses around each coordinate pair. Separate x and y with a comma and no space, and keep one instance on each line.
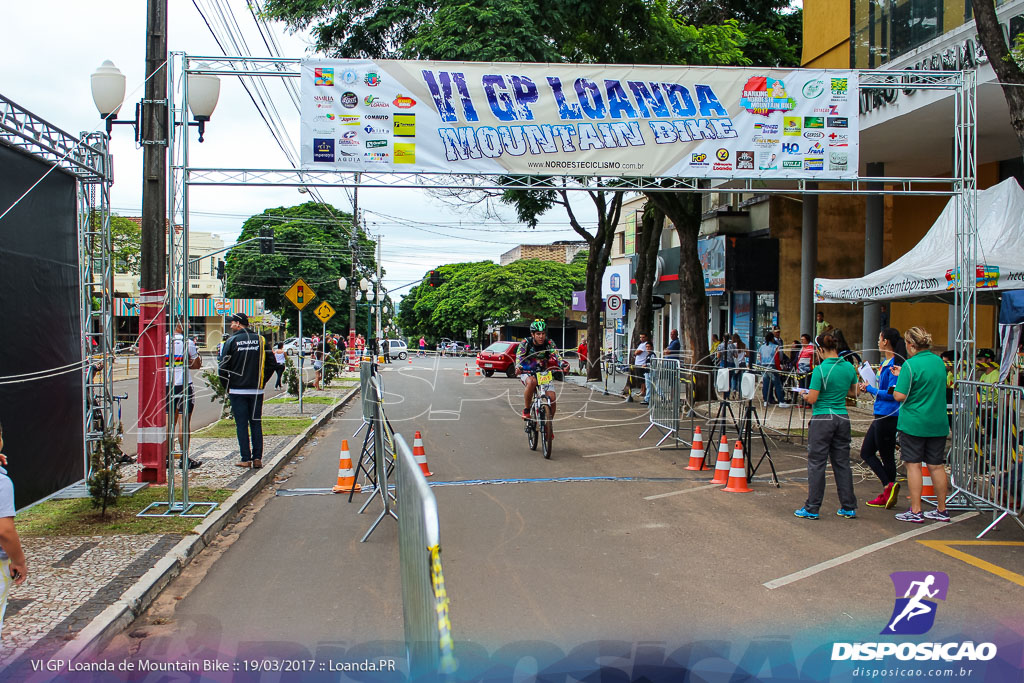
(325,312)
(300,294)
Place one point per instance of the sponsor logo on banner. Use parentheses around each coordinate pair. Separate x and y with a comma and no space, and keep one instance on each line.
(322,131)
(722,166)
(790,148)
(376,144)
(766,128)
(349,76)
(372,79)
(814,163)
(838,122)
(768,162)
(323,101)
(813,89)
(814,122)
(763,95)
(371,129)
(348,120)
(745,160)
(349,138)
(793,164)
(349,100)
(377,158)
(374,101)
(323,149)
(837,140)
(766,142)
(404,102)
(698,159)
(838,87)
(405,127)
(722,154)
(816,148)
(324,118)
(405,152)
(814,135)
(323,76)
(791,125)
(838,161)
(376,117)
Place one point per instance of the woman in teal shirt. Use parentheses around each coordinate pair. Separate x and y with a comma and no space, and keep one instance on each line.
(828,437)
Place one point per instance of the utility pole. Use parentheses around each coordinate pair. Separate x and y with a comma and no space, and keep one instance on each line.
(153,286)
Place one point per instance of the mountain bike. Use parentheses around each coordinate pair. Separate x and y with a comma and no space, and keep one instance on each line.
(539,422)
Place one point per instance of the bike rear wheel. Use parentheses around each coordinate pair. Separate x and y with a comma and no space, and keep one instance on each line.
(531,433)
(545,432)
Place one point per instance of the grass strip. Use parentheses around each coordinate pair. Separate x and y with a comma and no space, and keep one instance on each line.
(272,426)
(305,399)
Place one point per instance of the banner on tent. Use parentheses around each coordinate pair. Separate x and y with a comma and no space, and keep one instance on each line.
(572,119)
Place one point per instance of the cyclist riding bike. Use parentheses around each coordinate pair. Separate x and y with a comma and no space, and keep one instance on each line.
(532,355)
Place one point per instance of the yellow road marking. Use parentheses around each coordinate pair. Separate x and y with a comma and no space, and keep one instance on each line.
(945,547)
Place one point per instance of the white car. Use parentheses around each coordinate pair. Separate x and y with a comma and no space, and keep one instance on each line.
(397,348)
(291,345)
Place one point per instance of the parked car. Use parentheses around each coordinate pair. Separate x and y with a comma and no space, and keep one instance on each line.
(397,348)
(291,345)
(501,357)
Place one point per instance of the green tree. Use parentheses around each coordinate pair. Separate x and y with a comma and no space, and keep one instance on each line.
(312,241)
(1006,63)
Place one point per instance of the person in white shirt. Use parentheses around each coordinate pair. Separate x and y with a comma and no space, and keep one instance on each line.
(182,355)
(281,359)
(639,367)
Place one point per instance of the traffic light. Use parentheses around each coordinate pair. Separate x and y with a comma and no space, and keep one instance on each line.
(266,240)
(220,269)
(435,278)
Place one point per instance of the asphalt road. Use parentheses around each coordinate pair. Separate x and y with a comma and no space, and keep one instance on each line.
(552,567)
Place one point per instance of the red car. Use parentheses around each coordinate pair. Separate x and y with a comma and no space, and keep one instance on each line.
(501,357)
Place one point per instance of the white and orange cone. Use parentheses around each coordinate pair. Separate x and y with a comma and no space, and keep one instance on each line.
(722,466)
(738,472)
(478,371)
(927,489)
(346,473)
(420,455)
(696,451)
(465,373)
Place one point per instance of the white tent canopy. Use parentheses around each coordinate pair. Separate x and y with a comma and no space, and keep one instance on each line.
(929,269)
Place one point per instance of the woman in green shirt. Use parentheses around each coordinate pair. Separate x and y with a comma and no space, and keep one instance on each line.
(828,436)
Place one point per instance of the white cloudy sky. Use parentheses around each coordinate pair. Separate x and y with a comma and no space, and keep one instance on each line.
(52,46)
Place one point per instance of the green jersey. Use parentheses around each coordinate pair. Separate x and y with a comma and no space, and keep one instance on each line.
(923,380)
(832,380)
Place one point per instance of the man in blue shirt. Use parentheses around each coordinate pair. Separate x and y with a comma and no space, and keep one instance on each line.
(674,347)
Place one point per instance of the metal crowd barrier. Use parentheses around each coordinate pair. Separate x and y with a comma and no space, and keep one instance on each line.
(428,630)
(365,373)
(663,374)
(986,462)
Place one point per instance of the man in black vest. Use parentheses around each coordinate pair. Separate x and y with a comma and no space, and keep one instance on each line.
(246,365)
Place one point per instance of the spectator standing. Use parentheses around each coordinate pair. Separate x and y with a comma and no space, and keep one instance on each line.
(883,316)
(820,324)
(828,437)
(318,368)
(13,568)
(921,389)
(182,356)
(674,349)
(647,374)
(768,359)
(805,359)
(386,348)
(280,359)
(879,449)
(581,352)
(423,347)
(739,361)
(246,366)
(715,341)
(639,366)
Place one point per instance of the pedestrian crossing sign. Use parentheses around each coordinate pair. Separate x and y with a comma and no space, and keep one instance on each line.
(325,312)
(300,294)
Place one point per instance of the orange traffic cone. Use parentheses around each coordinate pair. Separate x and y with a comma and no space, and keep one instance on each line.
(927,490)
(465,373)
(420,455)
(696,451)
(722,466)
(738,472)
(346,473)
(478,371)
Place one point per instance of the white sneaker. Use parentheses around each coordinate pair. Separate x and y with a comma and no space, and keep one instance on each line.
(785,405)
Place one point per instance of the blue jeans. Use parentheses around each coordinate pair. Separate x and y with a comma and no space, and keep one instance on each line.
(772,384)
(248,412)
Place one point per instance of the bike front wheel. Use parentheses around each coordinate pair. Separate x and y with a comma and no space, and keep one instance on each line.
(531,433)
(546,432)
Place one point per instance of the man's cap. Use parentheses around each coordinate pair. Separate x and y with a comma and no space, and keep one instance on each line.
(241,319)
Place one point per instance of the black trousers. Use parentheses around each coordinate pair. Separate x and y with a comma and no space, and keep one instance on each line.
(879,449)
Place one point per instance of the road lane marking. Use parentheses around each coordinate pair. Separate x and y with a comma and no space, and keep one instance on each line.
(945,547)
(710,486)
(861,552)
(631,450)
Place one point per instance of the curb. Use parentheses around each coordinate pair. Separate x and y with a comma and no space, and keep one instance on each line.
(99,632)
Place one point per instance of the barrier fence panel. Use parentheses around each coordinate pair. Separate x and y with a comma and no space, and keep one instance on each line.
(990,471)
(428,630)
(665,403)
(365,372)
(380,458)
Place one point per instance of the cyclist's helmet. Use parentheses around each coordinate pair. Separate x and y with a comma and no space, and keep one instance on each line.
(538,326)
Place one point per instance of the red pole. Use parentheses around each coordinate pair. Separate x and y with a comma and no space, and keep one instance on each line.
(152,438)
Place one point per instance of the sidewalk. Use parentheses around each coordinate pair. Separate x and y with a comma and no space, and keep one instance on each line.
(83,589)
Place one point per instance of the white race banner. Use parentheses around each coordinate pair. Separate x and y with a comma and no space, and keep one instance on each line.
(573,119)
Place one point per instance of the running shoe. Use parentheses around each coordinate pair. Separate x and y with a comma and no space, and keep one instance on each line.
(879,501)
(911,516)
(893,490)
(802,512)
(937,515)
(848,514)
